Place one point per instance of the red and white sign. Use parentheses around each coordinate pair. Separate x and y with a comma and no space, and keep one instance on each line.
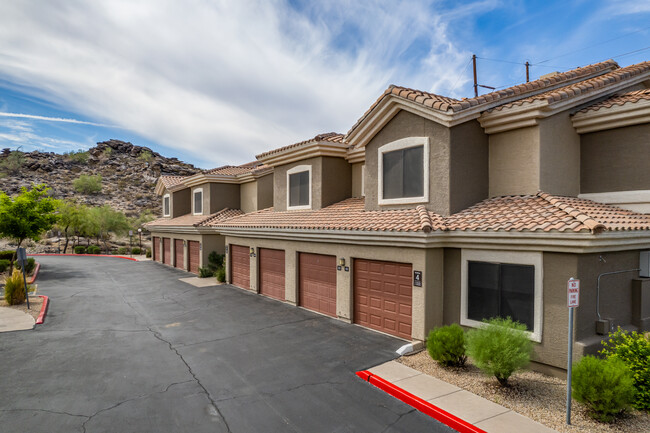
(573,293)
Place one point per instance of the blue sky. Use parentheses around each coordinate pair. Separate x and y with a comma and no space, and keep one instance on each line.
(217,82)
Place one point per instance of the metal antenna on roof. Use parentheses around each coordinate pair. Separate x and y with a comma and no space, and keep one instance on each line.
(476,84)
(527,74)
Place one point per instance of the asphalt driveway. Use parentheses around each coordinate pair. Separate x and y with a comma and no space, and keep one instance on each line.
(126,347)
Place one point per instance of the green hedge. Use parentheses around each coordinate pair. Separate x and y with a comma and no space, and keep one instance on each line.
(4,265)
(80,249)
(136,251)
(447,345)
(7,255)
(93,249)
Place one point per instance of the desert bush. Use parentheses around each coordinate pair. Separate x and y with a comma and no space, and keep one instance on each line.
(221,275)
(7,255)
(78,156)
(15,288)
(94,249)
(80,249)
(447,345)
(606,386)
(633,349)
(215,261)
(88,184)
(29,267)
(205,273)
(499,347)
(4,264)
(136,250)
(146,156)
(123,250)
(12,163)
(148,254)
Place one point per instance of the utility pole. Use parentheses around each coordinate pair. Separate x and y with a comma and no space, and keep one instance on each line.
(527,72)
(475,80)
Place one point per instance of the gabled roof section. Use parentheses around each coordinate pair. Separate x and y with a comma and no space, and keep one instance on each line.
(195,220)
(619,110)
(328,144)
(449,111)
(230,174)
(619,99)
(169,183)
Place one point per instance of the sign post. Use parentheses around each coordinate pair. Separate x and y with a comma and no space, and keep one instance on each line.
(573,300)
(21,258)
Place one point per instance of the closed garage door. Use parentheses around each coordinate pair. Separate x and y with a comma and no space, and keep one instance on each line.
(383,296)
(156,248)
(240,266)
(167,259)
(272,273)
(178,253)
(193,249)
(317,286)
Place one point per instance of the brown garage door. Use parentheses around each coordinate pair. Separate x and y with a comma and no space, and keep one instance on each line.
(383,296)
(167,259)
(178,254)
(317,285)
(156,248)
(193,249)
(240,267)
(272,273)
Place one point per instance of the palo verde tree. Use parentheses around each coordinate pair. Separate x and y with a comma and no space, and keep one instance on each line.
(70,220)
(27,215)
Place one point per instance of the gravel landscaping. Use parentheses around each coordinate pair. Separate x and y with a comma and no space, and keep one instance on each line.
(539,397)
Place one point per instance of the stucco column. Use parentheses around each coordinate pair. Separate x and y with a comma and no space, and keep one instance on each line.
(291,276)
(172,251)
(429,298)
(253,269)
(227,262)
(344,290)
(186,261)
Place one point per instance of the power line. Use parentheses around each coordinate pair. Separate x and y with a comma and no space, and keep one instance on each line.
(460,76)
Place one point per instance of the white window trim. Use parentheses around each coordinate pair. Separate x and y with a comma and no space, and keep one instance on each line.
(167,197)
(294,170)
(510,257)
(403,143)
(363,180)
(194,191)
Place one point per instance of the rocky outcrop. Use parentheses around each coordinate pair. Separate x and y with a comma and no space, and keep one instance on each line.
(129,174)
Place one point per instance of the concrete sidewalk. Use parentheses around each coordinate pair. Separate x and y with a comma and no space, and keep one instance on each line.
(482,413)
(15,320)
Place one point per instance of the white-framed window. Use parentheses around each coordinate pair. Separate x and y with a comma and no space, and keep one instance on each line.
(197,201)
(502,284)
(403,171)
(166,205)
(299,187)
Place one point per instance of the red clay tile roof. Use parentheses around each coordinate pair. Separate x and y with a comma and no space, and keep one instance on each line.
(197,220)
(619,99)
(332,137)
(526,213)
(220,216)
(169,181)
(585,86)
(229,170)
(446,104)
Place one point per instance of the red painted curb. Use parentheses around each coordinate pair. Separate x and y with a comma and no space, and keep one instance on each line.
(85,255)
(41,316)
(33,277)
(423,406)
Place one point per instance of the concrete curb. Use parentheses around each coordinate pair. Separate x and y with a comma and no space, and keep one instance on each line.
(33,277)
(41,316)
(421,405)
(85,255)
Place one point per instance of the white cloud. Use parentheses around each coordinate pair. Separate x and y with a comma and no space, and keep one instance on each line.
(227,79)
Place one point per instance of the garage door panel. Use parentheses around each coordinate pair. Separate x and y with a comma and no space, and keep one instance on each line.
(193,259)
(272,273)
(167,259)
(240,266)
(156,248)
(317,283)
(383,296)
(179,255)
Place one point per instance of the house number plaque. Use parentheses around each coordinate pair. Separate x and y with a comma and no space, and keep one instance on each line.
(417,278)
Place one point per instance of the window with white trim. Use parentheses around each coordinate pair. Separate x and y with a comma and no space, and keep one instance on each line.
(197,201)
(166,205)
(404,171)
(502,284)
(299,187)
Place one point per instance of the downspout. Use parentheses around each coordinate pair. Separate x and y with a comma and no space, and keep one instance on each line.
(598,287)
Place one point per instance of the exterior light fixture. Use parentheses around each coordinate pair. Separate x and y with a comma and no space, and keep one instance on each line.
(342,261)
(252,254)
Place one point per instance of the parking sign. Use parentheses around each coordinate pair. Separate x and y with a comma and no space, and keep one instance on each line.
(573,293)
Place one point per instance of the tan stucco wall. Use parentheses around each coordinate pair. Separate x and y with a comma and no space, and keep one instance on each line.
(615,160)
(280,183)
(223,195)
(209,243)
(559,155)
(337,185)
(427,300)
(469,170)
(357,180)
(265,191)
(248,196)
(451,301)
(180,203)
(406,124)
(514,162)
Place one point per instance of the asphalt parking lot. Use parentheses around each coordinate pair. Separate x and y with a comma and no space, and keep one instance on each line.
(127,347)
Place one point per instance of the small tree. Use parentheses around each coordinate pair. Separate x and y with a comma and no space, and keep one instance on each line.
(28,215)
(70,219)
(88,184)
(106,220)
(12,162)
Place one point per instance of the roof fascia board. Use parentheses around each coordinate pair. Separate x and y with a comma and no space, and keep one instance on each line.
(628,114)
(301,153)
(173,229)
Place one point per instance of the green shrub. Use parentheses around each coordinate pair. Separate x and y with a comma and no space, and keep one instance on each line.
(447,345)
(205,273)
(221,275)
(146,156)
(7,255)
(122,251)
(148,254)
(15,288)
(87,184)
(80,249)
(78,156)
(500,347)
(215,261)
(4,264)
(29,267)
(93,249)
(633,349)
(606,386)
(136,250)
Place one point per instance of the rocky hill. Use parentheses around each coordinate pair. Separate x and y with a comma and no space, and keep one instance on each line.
(128,172)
